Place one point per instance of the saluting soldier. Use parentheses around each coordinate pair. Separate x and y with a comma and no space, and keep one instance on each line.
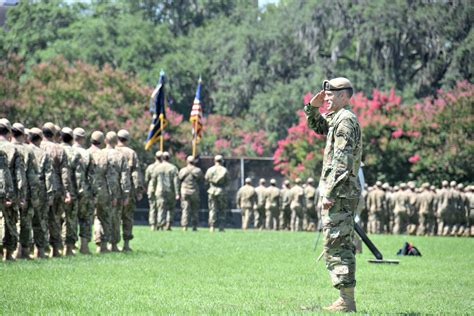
(246,200)
(217,179)
(190,177)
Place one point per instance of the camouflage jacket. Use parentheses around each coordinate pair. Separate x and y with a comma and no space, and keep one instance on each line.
(165,180)
(246,197)
(17,170)
(310,196)
(297,196)
(86,161)
(189,178)
(285,197)
(272,197)
(45,172)
(342,155)
(76,170)
(136,181)
(6,183)
(149,174)
(376,201)
(101,174)
(61,179)
(426,201)
(261,193)
(31,172)
(120,174)
(217,178)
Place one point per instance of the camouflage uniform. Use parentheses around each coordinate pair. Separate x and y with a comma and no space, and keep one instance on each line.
(427,212)
(413,209)
(401,202)
(136,189)
(6,189)
(245,200)
(217,179)
(166,187)
(470,214)
(259,209)
(310,217)
(377,206)
(442,197)
(150,182)
(189,178)
(10,214)
(296,206)
(272,207)
(339,181)
(454,199)
(285,210)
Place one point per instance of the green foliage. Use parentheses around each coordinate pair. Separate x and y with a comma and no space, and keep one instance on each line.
(239,273)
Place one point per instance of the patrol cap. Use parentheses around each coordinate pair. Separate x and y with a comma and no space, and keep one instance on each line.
(190,159)
(27,131)
(432,188)
(310,180)
(18,127)
(287,182)
(218,158)
(403,185)
(67,131)
(58,129)
(411,185)
(123,133)
(385,186)
(5,123)
(337,84)
(111,137)
(460,186)
(445,183)
(36,131)
(50,127)
(166,154)
(79,132)
(262,181)
(97,136)
(298,180)
(425,185)
(396,188)
(378,183)
(273,181)
(158,154)
(248,180)
(453,184)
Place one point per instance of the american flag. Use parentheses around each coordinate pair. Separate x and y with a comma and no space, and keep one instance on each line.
(196,114)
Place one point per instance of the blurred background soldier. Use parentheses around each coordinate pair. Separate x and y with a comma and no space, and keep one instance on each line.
(285,210)
(377,206)
(85,211)
(387,216)
(470,214)
(296,205)
(32,183)
(172,172)
(461,210)
(413,208)
(259,211)
(426,200)
(272,206)
(45,193)
(7,192)
(401,201)
(442,198)
(101,176)
(453,205)
(310,217)
(190,177)
(61,186)
(136,187)
(150,181)
(217,179)
(435,208)
(120,186)
(362,205)
(245,200)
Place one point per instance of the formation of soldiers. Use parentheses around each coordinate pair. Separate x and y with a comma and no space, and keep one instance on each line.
(53,191)
(425,210)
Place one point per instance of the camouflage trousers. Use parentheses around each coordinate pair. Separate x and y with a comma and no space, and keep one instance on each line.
(258,216)
(115,221)
(85,215)
(217,210)
(296,221)
(102,220)
(310,218)
(165,205)
(427,224)
(190,208)
(271,217)
(8,229)
(284,217)
(25,225)
(55,218)
(70,222)
(246,214)
(338,231)
(376,223)
(153,212)
(400,222)
(40,225)
(128,212)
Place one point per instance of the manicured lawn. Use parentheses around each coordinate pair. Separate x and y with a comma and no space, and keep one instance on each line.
(239,272)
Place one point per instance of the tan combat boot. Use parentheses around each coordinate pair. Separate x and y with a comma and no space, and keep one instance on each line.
(185,228)
(345,303)
(69,251)
(84,247)
(25,253)
(126,246)
(152,227)
(8,255)
(211,229)
(114,248)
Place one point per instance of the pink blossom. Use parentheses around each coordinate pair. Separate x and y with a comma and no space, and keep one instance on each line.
(398,133)
(413,159)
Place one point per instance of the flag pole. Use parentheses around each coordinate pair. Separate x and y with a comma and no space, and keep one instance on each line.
(162,131)
(194,138)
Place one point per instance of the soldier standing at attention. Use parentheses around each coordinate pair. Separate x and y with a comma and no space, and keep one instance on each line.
(136,187)
(32,194)
(285,210)
(272,206)
(150,181)
(339,184)
(442,214)
(427,211)
(297,206)
(61,186)
(172,172)
(85,211)
(310,217)
(189,178)
(259,210)
(217,179)
(376,204)
(246,199)
(45,191)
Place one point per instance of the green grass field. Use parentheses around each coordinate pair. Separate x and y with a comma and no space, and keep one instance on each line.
(239,272)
